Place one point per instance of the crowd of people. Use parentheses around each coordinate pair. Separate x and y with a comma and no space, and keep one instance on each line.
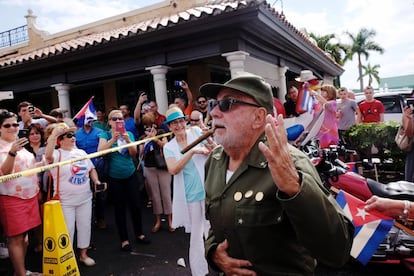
(237,225)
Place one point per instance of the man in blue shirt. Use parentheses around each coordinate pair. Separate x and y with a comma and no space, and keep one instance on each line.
(129,121)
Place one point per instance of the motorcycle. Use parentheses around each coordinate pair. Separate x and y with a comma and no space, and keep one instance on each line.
(398,245)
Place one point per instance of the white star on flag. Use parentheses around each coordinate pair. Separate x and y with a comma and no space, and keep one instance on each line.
(362,213)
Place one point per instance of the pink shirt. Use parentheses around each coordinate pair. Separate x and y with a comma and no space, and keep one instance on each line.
(24,186)
(328,133)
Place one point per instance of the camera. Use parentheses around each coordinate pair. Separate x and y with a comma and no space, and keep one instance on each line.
(178,83)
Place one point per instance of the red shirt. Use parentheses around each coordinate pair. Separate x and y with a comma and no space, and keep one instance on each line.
(279,107)
(160,119)
(370,111)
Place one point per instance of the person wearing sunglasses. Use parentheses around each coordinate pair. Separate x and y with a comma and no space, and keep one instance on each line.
(196,119)
(123,183)
(72,184)
(19,210)
(268,209)
(188,189)
(202,105)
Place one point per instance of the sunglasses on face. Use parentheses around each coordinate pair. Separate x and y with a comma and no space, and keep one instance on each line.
(201,102)
(117,119)
(67,135)
(194,120)
(10,125)
(226,104)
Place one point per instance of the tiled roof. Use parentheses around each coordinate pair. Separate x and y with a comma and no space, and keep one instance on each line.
(212,8)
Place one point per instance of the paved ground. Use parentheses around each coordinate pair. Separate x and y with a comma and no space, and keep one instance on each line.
(160,257)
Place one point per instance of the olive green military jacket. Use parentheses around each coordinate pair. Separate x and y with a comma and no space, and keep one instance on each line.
(277,234)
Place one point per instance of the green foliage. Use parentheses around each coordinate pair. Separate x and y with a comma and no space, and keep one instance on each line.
(361,45)
(372,73)
(363,136)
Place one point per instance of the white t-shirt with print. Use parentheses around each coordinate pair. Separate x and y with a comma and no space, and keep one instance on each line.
(74,187)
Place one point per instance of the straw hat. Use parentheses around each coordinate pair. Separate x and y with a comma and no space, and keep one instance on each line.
(306,75)
(174,113)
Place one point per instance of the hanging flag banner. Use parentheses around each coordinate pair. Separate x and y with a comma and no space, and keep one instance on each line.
(58,255)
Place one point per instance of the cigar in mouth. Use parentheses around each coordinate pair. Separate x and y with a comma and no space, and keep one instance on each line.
(198,140)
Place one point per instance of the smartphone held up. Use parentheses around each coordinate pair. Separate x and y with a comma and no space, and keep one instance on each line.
(31,110)
(120,126)
(23,133)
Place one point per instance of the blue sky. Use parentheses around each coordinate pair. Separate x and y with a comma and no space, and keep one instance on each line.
(392,20)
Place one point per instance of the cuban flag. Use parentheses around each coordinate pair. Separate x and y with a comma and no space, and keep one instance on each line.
(370,227)
(86,114)
(306,101)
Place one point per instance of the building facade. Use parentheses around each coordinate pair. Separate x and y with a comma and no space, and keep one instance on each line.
(148,49)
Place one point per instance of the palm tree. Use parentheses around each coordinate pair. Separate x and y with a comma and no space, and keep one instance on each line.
(371,72)
(328,44)
(362,45)
(337,51)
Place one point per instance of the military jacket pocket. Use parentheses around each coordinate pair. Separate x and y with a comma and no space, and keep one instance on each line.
(257,216)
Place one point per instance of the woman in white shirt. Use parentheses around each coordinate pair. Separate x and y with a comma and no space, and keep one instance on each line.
(73,189)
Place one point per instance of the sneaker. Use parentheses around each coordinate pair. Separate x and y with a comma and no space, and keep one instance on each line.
(31,273)
(87,261)
(4,251)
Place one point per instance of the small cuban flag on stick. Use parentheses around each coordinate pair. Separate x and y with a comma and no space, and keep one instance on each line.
(370,227)
(86,114)
(305,100)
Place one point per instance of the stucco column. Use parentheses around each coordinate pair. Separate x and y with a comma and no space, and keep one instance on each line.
(282,82)
(63,97)
(236,61)
(159,73)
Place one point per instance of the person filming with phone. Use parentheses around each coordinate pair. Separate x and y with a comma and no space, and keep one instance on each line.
(32,115)
(122,179)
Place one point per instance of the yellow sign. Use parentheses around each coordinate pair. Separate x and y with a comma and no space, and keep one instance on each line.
(58,256)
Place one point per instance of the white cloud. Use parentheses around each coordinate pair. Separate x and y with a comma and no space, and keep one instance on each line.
(392,22)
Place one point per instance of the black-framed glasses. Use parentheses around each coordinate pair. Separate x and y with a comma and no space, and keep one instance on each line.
(226,104)
(67,135)
(117,119)
(10,125)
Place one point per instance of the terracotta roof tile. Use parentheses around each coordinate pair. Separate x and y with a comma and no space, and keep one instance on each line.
(212,8)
